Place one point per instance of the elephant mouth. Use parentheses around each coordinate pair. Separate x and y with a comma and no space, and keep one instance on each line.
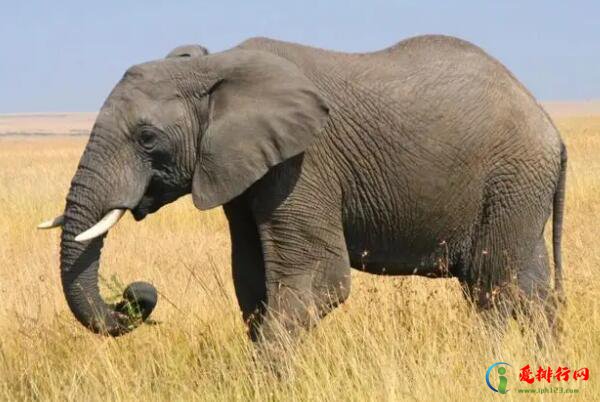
(146,206)
(151,203)
(140,212)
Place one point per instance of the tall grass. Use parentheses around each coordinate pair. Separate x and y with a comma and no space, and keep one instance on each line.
(395,339)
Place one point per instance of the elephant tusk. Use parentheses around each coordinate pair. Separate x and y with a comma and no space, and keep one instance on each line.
(102,226)
(52,223)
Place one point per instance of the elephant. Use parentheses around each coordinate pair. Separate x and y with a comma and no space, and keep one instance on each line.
(425,158)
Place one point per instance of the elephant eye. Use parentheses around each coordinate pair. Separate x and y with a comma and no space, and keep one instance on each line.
(147,138)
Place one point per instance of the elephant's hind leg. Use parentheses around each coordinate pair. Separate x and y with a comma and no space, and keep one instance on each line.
(507,274)
(500,247)
(538,304)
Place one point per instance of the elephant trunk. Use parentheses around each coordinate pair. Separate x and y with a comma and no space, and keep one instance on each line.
(79,270)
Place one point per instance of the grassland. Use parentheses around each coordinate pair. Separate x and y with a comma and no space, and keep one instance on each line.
(395,339)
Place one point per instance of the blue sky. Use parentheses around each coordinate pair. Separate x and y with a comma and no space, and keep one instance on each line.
(67,55)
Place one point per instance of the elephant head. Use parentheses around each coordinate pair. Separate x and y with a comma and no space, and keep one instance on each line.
(210,125)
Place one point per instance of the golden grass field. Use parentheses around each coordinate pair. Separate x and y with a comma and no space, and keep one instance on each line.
(396,339)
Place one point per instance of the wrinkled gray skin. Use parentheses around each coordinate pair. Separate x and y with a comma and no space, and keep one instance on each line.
(425,158)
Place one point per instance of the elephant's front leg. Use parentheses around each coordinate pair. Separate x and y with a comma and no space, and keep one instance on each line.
(248,267)
(307,271)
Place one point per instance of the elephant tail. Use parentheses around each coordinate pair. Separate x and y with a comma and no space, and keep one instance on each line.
(557,223)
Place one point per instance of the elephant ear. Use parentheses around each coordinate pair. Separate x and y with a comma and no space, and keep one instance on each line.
(187,51)
(262,111)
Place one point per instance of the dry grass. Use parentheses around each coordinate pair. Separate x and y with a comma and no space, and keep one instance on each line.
(396,339)
(46,123)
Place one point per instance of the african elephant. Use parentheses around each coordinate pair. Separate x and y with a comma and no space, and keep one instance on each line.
(425,158)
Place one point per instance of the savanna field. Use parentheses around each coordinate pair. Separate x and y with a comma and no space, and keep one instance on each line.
(395,339)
